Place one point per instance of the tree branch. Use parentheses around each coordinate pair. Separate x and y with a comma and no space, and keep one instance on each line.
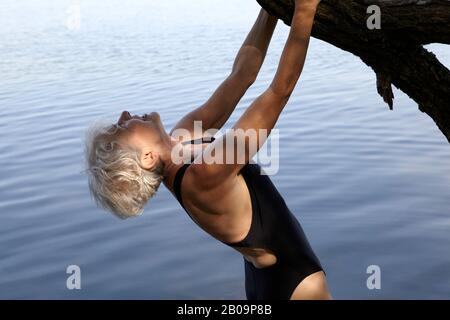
(394,52)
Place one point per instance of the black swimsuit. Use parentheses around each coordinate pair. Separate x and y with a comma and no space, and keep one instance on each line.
(273,227)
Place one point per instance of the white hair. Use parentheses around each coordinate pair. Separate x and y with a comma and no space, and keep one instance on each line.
(117,181)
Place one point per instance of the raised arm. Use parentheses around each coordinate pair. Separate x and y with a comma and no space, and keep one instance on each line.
(218,108)
(263,113)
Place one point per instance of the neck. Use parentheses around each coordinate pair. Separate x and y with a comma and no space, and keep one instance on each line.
(166,156)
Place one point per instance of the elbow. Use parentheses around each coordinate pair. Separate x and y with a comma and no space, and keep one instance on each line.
(251,78)
(284,86)
(245,77)
(282,92)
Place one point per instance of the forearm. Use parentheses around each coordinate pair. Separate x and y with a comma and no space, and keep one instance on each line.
(294,54)
(251,55)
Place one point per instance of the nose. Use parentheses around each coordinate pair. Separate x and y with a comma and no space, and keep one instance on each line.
(123,118)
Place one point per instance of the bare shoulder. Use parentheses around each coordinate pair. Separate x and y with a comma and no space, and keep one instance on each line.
(204,191)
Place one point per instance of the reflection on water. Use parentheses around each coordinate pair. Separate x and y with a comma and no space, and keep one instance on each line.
(370,186)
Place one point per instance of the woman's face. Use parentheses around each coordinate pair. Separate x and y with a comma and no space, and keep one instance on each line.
(140,132)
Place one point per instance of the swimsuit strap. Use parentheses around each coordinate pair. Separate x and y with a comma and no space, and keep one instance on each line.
(180,173)
(199,140)
(177,182)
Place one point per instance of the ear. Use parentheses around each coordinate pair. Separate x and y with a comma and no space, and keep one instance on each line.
(149,159)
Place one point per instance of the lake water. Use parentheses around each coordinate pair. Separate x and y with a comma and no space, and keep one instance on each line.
(370,186)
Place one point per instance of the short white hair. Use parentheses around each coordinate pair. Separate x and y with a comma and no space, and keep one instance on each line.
(117,181)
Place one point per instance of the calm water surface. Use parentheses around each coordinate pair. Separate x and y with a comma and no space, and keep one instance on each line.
(370,186)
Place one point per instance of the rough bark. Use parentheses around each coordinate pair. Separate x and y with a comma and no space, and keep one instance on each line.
(395,52)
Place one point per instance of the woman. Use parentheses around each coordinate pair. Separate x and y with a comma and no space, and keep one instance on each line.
(231,200)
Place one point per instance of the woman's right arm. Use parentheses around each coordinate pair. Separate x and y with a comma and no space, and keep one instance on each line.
(263,113)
